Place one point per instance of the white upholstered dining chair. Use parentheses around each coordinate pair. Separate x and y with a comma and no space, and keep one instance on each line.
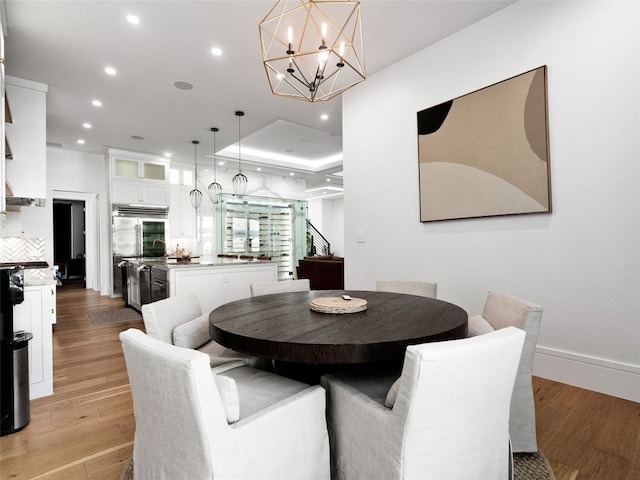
(245,424)
(500,311)
(179,321)
(423,289)
(447,416)
(267,288)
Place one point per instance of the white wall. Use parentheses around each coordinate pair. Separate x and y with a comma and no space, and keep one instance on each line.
(82,176)
(71,176)
(582,262)
(327,215)
(333,223)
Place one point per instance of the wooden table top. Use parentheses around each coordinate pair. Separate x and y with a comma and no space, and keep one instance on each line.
(283,327)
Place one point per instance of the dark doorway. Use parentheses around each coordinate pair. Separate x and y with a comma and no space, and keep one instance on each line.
(69,239)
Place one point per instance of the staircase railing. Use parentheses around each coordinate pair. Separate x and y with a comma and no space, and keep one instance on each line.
(317,244)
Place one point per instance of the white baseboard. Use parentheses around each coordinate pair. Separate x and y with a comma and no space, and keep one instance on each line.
(600,375)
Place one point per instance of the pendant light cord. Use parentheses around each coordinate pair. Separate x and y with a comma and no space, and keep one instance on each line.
(239,114)
(215,178)
(195,161)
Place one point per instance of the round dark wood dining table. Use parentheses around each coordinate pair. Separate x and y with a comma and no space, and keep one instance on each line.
(282,327)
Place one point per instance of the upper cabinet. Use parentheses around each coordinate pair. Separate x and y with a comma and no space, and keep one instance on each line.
(138,180)
(153,171)
(182,216)
(26,167)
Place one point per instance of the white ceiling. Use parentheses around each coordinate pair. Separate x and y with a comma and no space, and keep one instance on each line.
(67,45)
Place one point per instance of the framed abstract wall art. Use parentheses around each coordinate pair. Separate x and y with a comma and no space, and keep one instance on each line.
(486,153)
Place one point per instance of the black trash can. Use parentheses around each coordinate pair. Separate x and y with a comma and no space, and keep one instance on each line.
(17,411)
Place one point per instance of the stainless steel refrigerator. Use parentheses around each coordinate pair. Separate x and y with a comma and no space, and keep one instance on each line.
(138,231)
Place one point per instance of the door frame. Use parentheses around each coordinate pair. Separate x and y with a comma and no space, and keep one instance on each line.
(92,234)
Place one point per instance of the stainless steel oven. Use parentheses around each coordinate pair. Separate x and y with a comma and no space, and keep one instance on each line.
(159,284)
(133,283)
(145,284)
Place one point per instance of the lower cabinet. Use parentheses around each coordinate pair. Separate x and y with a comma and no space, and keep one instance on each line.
(217,285)
(36,314)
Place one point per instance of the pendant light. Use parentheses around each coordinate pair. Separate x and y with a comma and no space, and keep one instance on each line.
(312,50)
(215,189)
(195,195)
(239,180)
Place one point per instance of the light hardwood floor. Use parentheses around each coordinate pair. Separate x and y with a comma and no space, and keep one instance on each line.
(85,430)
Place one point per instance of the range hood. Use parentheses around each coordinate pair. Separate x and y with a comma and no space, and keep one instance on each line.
(25,201)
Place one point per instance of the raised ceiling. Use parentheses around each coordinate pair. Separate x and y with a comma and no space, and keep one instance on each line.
(68,44)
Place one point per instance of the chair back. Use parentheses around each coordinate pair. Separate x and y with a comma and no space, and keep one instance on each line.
(502,310)
(176,405)
(454,401)
(161,317)
(423,289)
(267,288)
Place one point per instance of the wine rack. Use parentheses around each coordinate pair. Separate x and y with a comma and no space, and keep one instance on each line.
(262,226)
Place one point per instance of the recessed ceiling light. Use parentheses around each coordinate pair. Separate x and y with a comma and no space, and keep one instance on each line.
(132,19)
(216,51)
(168,154)
(183,85)
(291,174)
(80,141)
(110,71)
(221,162)
(96,103)
(259,169)
(324,116)
(137,137)
(328,179)
(86,125)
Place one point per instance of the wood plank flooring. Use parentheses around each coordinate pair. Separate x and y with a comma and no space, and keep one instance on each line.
(85,430)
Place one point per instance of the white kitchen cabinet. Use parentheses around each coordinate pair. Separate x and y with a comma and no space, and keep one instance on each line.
(218,284)
(182,216)
(147,170)
(35,314)
(137,178)
(127,191)
(26,172)
(54,309)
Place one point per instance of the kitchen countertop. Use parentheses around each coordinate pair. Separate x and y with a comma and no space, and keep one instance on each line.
(39,282)
(198,262)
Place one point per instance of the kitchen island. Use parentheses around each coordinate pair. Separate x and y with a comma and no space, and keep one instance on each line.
(216,281)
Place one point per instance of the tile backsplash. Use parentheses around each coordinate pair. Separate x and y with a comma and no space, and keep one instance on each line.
(21,249)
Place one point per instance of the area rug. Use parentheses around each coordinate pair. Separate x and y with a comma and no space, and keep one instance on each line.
(119,315)
(530,466)
(527,466)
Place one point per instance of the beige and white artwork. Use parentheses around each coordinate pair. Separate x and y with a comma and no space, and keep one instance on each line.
(486,153)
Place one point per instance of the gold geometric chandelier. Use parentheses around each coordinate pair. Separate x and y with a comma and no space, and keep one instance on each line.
(312,49)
